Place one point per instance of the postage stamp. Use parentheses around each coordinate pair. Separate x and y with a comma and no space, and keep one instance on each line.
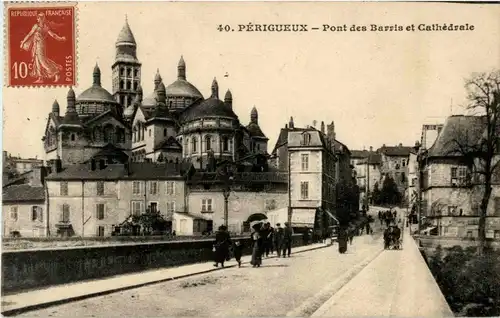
(41,44)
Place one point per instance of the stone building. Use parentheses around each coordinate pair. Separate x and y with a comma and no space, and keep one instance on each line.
(394,163)
(450,189)
(367,167)
(319,169)
(99,147)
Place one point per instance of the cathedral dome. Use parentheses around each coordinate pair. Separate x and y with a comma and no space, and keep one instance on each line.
(211,107)
(182,88)
(96,93)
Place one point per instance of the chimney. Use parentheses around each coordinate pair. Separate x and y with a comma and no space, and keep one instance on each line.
(323,127)
(371,148)
(400,145)
(291,124)
(102,164)
(38,175)
(57,165)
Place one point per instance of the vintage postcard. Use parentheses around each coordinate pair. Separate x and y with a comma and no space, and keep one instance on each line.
(248,159)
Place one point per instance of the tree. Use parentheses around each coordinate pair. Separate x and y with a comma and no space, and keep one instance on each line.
(479,150)
(375,196)
(390,193)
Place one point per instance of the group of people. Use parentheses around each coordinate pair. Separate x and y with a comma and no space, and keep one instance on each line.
(264,239)
(392,235)
(388,217)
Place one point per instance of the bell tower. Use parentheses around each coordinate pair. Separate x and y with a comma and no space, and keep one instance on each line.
(126,69)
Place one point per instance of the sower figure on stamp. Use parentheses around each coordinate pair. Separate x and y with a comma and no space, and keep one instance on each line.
(35,41)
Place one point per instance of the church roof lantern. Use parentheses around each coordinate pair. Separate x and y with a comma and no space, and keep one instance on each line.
(55,107)
(181,87)
(96,93)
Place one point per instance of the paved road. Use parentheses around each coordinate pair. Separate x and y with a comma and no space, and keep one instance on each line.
(274,289)
(378,285)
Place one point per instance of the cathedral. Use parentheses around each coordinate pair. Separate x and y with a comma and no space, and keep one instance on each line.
(175,123)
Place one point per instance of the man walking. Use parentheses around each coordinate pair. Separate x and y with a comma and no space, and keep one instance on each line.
(278,238)
(287,240)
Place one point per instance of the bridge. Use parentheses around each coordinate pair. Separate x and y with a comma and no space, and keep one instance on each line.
(315,281)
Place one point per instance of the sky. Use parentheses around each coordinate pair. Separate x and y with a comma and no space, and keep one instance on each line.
(377,87)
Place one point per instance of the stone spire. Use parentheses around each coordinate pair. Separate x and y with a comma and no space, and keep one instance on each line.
(158,78)
(97,76)
(215,89)
(71,117)
(55,108)
(126,37)
(228,99)
(181,69)
(254,116)
(161,92)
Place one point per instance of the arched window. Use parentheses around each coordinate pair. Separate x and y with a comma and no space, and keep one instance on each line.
(97,134)
(225,143)
(129,85)
(122,71)
(164,132)
(73,137)
(109,134)
(122,85)
(208,143)
(195,141)
(186,146)
(135,86)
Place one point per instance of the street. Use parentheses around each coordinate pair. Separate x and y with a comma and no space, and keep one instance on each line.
(276,288)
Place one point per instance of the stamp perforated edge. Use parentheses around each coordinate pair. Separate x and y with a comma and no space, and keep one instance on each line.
(40,4)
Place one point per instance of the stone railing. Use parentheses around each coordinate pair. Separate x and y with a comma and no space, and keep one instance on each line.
(430,242)
(25,269)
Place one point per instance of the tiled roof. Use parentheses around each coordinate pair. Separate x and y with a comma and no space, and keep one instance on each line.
(396,151)
(358,154)
(459,133)
(171,143)
(283,137)
(111,150)
(136,171)
(255,131)
(23,192)
(374,158)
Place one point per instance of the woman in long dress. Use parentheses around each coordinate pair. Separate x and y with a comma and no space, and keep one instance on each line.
(221,246)
(257,245)
(41,66)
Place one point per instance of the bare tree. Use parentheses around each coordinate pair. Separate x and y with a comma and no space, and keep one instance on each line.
(478,145)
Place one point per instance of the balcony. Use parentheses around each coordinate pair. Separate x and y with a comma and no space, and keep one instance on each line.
(242,177)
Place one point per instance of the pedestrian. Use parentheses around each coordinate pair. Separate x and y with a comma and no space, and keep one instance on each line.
(265,231)
(221,246)
(380,217)
(257,245)
(238,251)
(351,230)
(287,239)
(278,238)
(271,238)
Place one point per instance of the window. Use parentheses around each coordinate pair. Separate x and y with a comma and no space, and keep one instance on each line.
(452,210)
(99,211)
(206,205)
(136,187)
(413,182)
(170,207)
(208,143)
(153,207)
(305,162)
(100,230)
(403,177)
(13,213)
(225,144)
(65,215)
(497,234)
(306,139)
(164,132)
(136,207)
(458,175)
(304,190)
(36,213)
(170,187)
(403,162)
(64,188)
(195,142)
(149,132)
(100,187)
(497,206)
(73,137)
(153,187)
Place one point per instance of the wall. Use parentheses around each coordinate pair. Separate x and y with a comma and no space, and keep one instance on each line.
(430,243)
(117,198)
(241,205)
(24,223)
(39,268)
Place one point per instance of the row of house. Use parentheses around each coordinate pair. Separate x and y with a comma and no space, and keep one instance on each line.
(97,197)
(450,186)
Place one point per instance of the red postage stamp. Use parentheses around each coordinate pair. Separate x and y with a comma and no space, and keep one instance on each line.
(41,44)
